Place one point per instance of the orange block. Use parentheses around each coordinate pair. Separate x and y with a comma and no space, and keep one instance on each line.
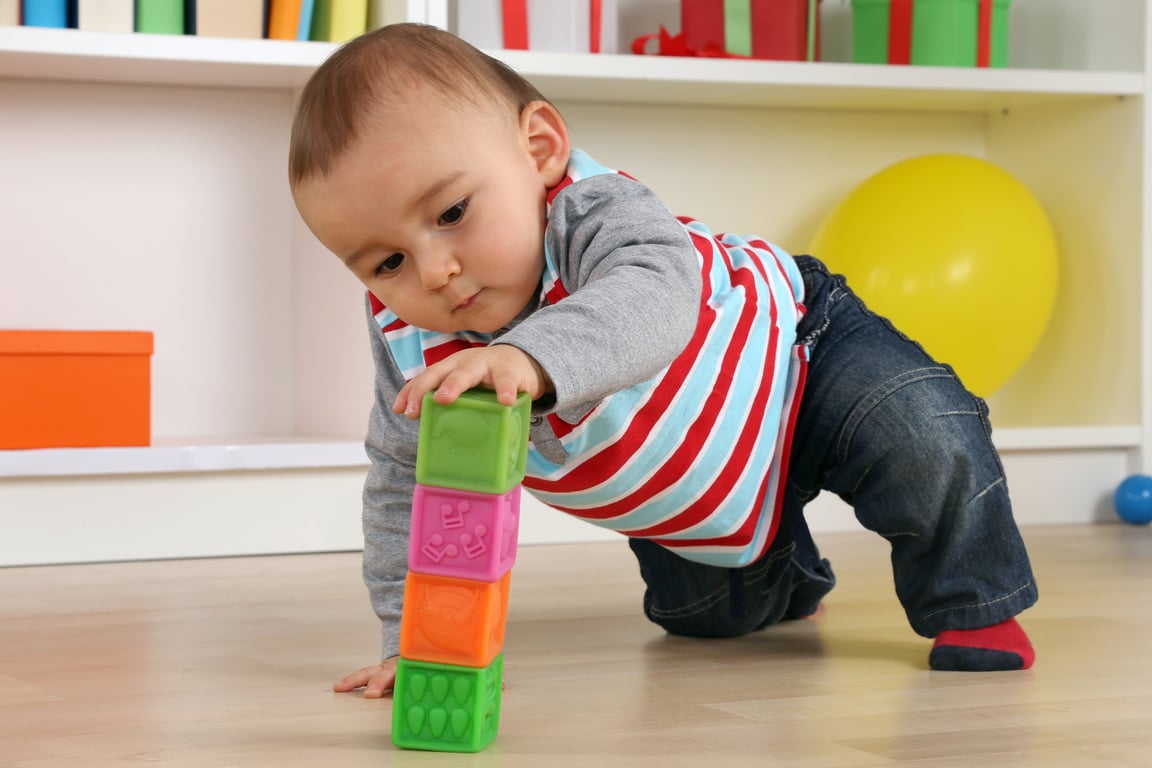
(75,389)
(453,621)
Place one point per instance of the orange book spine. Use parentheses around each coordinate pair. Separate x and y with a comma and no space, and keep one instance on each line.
(284,20)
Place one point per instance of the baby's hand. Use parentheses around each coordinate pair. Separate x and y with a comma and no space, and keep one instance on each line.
(503,368)
(376,680)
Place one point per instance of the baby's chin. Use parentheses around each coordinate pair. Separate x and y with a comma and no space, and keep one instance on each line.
(488,328)
(485,325)
(490,316)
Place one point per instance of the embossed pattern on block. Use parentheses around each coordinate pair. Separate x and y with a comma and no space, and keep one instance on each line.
(463,534)
(475,444)
(453,621)
(446,708)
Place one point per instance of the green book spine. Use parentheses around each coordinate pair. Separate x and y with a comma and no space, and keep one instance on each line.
(336,21)
(163,17)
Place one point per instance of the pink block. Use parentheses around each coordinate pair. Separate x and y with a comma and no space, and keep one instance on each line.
(463,534)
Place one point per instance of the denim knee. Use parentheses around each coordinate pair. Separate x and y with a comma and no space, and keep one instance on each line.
(696,600)
(918,448)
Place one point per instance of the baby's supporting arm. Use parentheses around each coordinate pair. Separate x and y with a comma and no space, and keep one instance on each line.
(391,447)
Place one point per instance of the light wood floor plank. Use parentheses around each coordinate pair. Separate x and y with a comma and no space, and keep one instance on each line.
(215,663)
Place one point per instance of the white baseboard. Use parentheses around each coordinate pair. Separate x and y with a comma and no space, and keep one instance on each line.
(140,517)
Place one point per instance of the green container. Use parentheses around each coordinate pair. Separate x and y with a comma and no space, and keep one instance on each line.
(944,32)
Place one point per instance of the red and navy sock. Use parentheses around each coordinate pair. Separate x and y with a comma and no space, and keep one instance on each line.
(1003,646)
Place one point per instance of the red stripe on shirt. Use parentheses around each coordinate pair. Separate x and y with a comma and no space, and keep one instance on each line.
(693,443)
(614,457)
(433,355)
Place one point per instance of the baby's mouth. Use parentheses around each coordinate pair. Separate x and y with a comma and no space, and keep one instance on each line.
(468,302)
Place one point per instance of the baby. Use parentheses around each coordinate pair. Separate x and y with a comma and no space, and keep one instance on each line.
(692,391)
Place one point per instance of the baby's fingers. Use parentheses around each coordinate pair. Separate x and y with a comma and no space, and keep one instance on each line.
(376,680)
(378,685)
(411,397)
(357,679)
(456,383)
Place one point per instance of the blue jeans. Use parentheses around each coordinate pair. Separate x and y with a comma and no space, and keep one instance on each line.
(898,437)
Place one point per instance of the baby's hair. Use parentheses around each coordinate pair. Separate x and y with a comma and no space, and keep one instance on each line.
(360,78)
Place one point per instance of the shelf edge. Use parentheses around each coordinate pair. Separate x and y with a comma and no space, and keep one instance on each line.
(180,459)
(137,58)
(1020,439)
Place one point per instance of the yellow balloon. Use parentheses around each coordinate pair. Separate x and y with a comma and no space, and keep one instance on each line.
(957,253)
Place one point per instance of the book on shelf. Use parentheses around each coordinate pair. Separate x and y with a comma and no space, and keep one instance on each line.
(106,15)
(307,11)
(283,19)
(45,13)
(335,21)
(164,17)
(384,12)
(9,13)
(224,18)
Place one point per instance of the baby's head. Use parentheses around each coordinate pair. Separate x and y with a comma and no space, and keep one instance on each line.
(380,71)
(424,165)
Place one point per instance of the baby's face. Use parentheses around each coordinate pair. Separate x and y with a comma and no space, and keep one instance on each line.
(439,210)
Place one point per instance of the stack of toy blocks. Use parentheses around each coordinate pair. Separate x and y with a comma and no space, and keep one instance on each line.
(465,520)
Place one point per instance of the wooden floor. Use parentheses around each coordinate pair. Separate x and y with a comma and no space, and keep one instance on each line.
(215,663)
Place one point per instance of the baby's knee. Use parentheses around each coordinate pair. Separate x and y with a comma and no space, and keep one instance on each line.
(722,619)
(930,417)
(751,601)
(697,600)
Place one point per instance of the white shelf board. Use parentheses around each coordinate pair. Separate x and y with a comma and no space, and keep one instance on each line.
(823,85)
(166,459)
(69,54)
(1066,438)
(292,453)
(56,54)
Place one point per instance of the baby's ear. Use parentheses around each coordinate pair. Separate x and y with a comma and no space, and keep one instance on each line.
(547,138)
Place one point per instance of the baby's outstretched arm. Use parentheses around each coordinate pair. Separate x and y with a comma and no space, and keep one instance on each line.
(376,680)
(506,369)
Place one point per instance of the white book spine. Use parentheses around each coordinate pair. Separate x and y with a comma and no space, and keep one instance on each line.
(384,12)
(480,22)
(609,26)
(9,13)
(106,15)
(559,25)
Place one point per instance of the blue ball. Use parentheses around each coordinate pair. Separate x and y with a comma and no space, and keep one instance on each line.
(1133,500)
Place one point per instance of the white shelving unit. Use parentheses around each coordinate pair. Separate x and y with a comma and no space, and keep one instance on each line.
(144,188)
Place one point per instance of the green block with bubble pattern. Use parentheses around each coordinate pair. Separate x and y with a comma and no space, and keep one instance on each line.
(474,444)
(445,708)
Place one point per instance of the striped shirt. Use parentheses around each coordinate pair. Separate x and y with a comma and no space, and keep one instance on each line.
(695,457)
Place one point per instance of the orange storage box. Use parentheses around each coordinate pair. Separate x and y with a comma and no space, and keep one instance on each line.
(75,389)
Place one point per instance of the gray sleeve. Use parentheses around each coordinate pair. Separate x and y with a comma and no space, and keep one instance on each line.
(633,278)
(391,447)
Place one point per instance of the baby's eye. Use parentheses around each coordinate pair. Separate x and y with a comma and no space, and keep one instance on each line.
(389,265)
(454,214)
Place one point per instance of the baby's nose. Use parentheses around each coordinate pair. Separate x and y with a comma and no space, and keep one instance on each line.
(437,269)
